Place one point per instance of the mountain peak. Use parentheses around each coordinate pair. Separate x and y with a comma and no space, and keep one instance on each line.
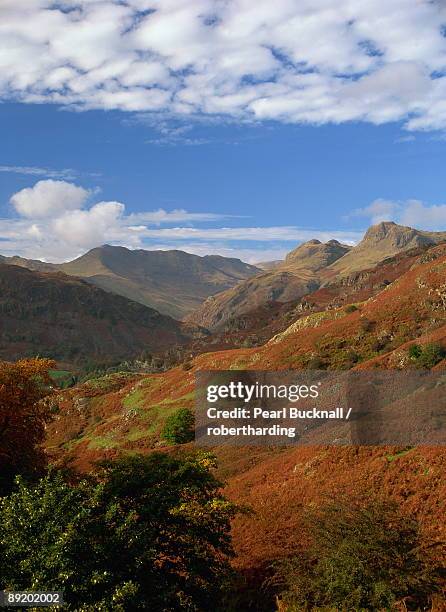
(400,236)
(385,239)
(315,255)
(384,228)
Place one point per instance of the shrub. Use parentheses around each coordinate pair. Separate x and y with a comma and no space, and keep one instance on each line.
(350,308)
(359,558)
(432,354)
(315,363)
(427,355)
(415,351)
(179,427)
(146,533)
(366,325)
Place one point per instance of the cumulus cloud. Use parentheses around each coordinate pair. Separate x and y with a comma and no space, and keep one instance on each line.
(86,228)
(48,197)
(290,61)
(414,213)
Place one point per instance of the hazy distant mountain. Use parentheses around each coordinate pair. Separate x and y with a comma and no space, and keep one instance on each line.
(66,318)
(383,240)
(269,265)
(173,282)
(30,264)
(291,279)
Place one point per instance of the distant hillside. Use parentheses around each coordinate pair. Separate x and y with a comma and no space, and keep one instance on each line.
(173,282)
(383,240)
(65,318)
(258,325)
(289,280)
(311,265)
(269,265)
(30,264)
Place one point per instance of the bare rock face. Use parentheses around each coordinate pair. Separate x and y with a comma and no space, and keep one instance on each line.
(311,265)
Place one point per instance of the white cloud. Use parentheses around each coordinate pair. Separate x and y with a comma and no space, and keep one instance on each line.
(250,234)
(413,213)
(87,228)
(66,173)
(159,216)
(48,197)
(378,210)
(305,61)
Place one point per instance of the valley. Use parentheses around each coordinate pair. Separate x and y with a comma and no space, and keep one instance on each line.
(386,314)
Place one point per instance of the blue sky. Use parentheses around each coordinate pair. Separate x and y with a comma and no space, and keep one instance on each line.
(245,155)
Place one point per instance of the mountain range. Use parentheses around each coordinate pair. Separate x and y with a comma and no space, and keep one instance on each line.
(172,282)
(113,303)
(310,266)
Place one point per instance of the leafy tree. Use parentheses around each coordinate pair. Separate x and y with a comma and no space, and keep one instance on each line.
(359,559)
(179,427)
(23,416)
(145,533)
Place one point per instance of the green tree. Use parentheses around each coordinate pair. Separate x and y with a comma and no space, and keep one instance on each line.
(359,559)
(146,533)
(179,427)
(426,355)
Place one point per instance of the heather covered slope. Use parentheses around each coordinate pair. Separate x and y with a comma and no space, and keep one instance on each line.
(65,318)
(172,282)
